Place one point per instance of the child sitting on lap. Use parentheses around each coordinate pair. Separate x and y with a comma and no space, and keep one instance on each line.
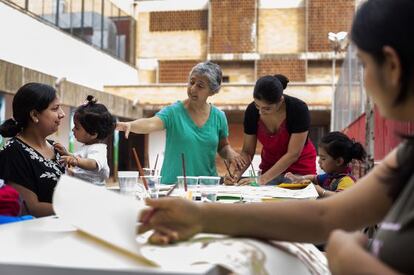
(335,151)
(93,124)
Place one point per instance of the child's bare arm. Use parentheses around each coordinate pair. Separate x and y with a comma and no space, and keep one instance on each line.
(84,163)
(294,177)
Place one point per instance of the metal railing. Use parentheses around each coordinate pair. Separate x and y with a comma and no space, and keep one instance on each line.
(97,22)
(349,98)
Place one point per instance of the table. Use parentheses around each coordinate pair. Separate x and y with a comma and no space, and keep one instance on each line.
(49,246)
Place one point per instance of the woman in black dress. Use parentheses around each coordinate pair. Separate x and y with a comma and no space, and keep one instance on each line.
(28,161)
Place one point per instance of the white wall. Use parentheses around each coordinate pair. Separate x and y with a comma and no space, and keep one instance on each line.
(124,5)
(33,44)
(156,145)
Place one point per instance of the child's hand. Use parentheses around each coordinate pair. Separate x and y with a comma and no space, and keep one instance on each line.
(293,177)
(69,161)
(61,149)
(245,181)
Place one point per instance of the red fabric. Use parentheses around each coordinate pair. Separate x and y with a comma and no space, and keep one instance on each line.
(275,145)
(9,201)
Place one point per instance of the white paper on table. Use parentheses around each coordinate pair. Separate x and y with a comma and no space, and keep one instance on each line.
(98,212)
(309,192)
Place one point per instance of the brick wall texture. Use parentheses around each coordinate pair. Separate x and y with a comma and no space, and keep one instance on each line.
(281,30)
(175,71)
(174,45)
(328,16)
(178,20)
(294,69)
(233,26)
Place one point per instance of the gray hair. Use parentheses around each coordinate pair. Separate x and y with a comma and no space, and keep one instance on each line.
(213,73)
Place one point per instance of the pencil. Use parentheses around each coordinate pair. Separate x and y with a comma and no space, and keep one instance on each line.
(227,167)
(185,180)
(155,165)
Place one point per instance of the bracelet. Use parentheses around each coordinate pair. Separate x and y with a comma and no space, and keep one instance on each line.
(323,193)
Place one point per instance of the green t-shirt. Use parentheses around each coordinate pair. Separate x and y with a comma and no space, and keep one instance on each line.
(199,145)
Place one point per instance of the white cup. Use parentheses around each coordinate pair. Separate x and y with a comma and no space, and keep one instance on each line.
(128,182)
(192,184)
(153,183)
(208,188)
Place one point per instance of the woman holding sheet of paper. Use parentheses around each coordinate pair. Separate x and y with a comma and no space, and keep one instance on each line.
(383,33)
(194,127)
(28,161)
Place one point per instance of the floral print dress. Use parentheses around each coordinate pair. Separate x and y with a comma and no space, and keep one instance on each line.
(23,165)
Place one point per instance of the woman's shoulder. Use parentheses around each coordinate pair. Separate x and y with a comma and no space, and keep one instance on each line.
(10,146)
(251,109)
(292,101)
(216,110)
(177,106)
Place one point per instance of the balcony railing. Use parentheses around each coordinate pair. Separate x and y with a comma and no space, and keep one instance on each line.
(97,22)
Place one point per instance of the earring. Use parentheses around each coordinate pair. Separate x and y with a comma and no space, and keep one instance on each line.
(36,120)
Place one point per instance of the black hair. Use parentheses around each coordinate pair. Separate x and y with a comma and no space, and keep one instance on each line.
(95,118)
(339,145)
(380,23)
(29,97)
(270,88)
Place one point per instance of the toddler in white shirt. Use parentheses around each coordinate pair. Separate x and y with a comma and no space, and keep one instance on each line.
(93,124)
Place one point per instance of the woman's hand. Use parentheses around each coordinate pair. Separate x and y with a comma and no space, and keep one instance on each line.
(124,127)
(171,219)
(61,149)
(229,180)
(240,161)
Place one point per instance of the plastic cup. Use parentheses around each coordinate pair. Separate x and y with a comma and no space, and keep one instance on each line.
(208,188)
(149,172)
(255,175)
(127,182)
(153,183)
(192,186)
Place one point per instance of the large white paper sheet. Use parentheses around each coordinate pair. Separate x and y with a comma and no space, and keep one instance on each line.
(261,192)
(98,212)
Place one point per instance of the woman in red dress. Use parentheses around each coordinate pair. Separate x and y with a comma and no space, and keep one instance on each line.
(281,124)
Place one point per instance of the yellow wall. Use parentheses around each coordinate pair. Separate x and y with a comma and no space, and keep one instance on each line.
(321,71)
(147,76)
(239,72)
(281,30)
(169,45)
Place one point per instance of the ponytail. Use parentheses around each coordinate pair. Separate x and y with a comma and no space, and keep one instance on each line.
(283,80)
(10,128)
(358,151)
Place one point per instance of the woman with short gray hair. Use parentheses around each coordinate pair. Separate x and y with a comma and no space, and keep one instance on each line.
(194,127)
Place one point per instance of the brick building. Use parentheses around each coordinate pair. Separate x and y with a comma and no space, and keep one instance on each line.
(248,39)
